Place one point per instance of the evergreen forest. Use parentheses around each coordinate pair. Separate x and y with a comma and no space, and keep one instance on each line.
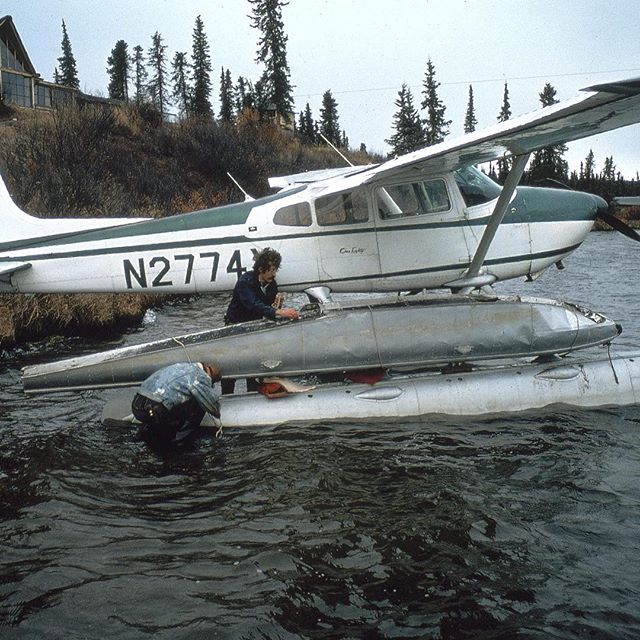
(183,87)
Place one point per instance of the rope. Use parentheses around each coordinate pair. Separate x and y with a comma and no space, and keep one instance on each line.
(615,376)
(186,353)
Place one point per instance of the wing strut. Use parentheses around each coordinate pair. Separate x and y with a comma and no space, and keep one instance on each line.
(473,278)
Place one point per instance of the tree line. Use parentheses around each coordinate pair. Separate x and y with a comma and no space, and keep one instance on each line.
(414,131)
(185,82)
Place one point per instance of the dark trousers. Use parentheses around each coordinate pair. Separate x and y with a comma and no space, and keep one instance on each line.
(166,426)
(228,386)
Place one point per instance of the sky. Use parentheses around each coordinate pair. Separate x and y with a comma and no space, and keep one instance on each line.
(364,50)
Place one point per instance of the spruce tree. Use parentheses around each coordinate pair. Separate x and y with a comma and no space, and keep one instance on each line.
(139,75)
(505,110)
(68,72)
(118,71)
(301,128)
(329,125)
(226,96)
(272,52)
(608,186)
(470,121)
(588,171)
(261,96)
(548,163)
(201,66)
(409,134)
(243,95)
(437,128)
(609,170)
(181,90)
(307,127)
(158,83)
(504,164)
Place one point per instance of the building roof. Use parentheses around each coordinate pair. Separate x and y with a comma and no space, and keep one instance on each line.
(627,201)
(9,34)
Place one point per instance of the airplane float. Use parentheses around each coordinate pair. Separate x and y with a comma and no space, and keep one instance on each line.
(427,220)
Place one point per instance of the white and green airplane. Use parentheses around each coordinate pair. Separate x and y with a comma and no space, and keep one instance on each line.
(427,219)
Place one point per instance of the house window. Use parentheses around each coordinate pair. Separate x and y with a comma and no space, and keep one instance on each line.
(16,89)
(43,96)
(61,97)
(9,58)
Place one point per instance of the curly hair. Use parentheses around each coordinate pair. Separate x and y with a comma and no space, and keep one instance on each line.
(266,258)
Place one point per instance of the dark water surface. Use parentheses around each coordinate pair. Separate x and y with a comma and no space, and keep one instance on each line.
(524,526)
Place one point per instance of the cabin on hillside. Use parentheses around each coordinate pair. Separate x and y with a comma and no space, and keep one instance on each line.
(286,121)
(21,85)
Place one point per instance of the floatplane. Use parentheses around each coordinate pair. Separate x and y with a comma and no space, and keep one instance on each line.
(427,221)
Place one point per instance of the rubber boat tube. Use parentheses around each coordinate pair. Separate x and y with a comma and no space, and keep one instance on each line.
(571,382)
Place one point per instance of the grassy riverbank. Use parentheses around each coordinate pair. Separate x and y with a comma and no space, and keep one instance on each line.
(24,318)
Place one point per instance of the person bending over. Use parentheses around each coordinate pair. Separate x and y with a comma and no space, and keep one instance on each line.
(256,296)
(171,402)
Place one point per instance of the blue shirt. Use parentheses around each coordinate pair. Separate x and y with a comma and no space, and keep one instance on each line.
(178,383)
(249,301)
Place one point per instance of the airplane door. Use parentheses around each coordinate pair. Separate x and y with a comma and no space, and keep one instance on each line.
(421,234)
(348,247)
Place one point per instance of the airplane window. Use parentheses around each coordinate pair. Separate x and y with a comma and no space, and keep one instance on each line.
(476,187)
(413,199)
(342,208)
(294,215)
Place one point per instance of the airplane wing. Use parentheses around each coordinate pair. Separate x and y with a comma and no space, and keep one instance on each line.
(306,177)
(7,269)
(605,107)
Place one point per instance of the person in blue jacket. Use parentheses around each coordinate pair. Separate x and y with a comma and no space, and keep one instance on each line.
(256,296)
(171,402)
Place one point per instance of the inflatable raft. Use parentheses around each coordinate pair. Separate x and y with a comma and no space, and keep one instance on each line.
(571,382)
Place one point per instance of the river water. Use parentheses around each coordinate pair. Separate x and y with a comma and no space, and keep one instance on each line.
(520,526)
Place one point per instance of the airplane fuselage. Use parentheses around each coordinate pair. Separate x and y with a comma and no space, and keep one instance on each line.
(349,236)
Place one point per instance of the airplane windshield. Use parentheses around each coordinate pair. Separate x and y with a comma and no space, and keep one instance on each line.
(476,187)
